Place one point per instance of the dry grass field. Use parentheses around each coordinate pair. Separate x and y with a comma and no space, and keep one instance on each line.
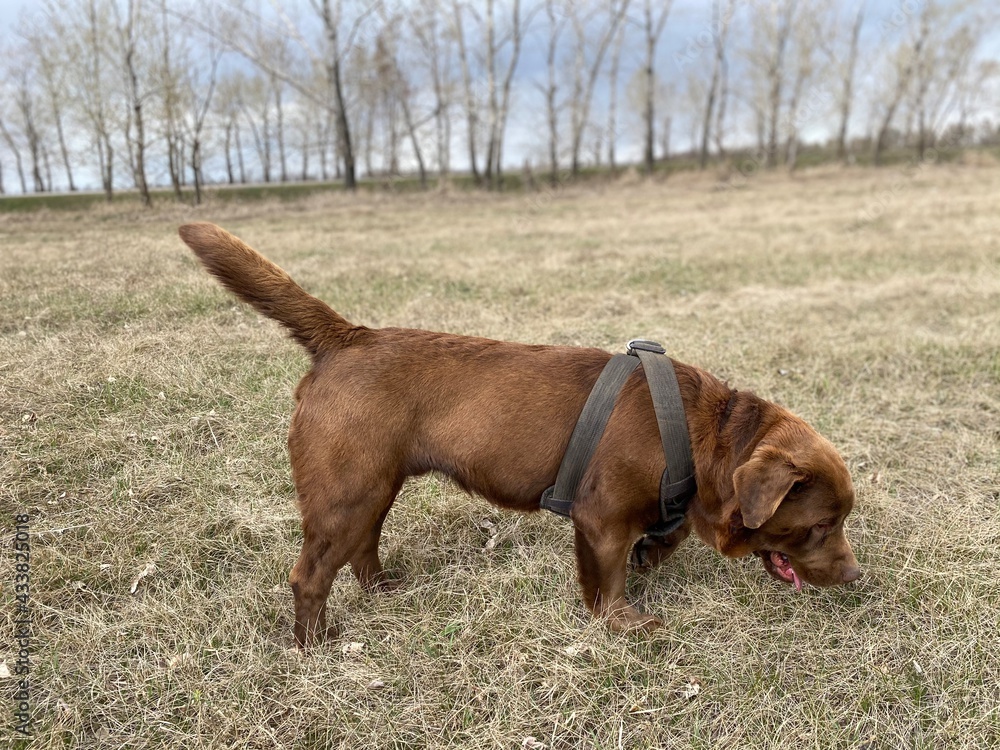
(142,426)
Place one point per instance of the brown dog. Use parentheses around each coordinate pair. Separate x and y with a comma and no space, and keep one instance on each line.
(379,406)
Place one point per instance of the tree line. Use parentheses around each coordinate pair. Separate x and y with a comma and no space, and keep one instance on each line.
(128,93)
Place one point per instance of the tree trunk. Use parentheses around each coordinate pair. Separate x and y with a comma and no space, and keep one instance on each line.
(196,170)
(902,84)
(612,134)
(175,163)
(239,154)
(344,146)
(721,112)
(472,118)
(776,79)
(35,149)
(280,129)
(649,131)
(504,108)
(229,156)
(491,88)
(140,130)
(720,28)
(48,168)
(583,94)
(57,117)
(792,142)
(653,30)
(322,138)
(17,155)
(847,93)
(414,140)
(305,152)
(108,172)
(550,92)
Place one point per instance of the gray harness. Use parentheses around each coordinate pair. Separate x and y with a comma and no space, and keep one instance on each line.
(677,485)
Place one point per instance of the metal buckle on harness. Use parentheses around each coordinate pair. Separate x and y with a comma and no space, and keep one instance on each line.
(643,345)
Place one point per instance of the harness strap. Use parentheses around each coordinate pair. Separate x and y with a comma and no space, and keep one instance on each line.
(587,433)
(677,484)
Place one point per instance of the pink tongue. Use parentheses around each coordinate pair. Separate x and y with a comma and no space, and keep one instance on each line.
(785,570)
(796,580)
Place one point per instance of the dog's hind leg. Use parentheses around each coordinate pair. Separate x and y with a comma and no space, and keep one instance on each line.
(365,563)
(335,531)
(311,579)
(602,551)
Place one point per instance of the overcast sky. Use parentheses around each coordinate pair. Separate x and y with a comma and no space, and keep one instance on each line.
(688,20)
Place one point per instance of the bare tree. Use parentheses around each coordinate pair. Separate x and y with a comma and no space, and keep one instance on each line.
(50,53)
(130,31)
(585,71)
(24,99)
(277,92)
(808,30)
(612,132)
(83,30)
(397,89)
(940,74)
(971,90)
(499,101)
(226,112)
(556,24)
(771,32)
(326,52)
(279,57)
(332,19)
(471,101)
(309,122)
(15,149)
(170,71)
(198,91)
(652,27)
(903,64)
(323,131)
(255,102)
(426,22)
(717,87)
(848,68)
(368,96)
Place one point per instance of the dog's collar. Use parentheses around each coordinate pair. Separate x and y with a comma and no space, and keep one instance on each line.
(677,484)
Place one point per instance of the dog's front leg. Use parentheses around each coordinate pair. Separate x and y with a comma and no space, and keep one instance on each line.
(602,552)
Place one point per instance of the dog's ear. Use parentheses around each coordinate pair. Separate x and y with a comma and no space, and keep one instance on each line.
(762,483)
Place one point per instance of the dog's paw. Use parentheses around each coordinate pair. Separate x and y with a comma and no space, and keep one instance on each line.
(629,619)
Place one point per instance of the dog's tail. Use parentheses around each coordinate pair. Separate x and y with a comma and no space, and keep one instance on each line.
(259,282)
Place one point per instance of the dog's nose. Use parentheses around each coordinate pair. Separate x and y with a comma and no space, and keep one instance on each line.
(851,573)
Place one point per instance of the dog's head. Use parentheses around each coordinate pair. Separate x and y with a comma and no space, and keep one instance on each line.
(793,495)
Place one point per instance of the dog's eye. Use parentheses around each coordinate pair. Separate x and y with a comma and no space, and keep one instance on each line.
(822,528)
